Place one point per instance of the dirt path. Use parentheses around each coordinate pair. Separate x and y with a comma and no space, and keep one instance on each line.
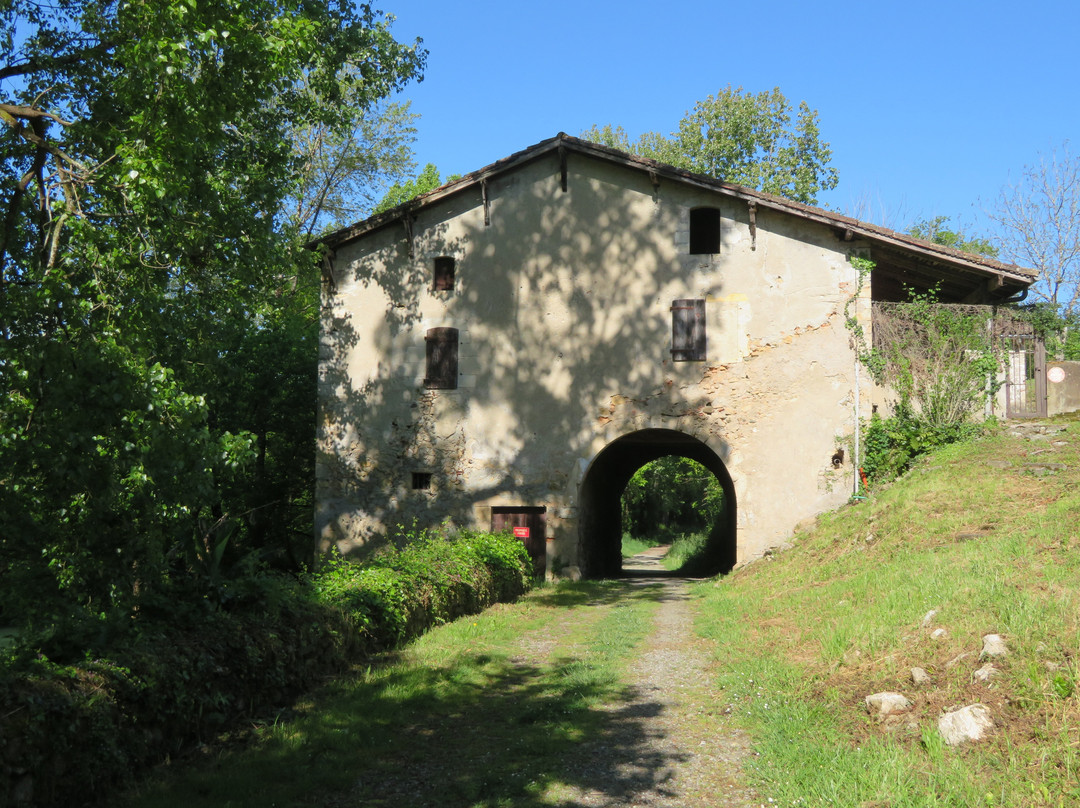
(678,752)
(661,738)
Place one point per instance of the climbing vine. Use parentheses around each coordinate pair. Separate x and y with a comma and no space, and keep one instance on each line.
(941,361)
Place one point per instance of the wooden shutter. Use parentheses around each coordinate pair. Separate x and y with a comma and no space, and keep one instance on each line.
(443,274)
(687,330)
(442,359)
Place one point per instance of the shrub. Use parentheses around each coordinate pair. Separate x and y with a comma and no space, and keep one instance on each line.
(185,666)
(400,593)
(891,445)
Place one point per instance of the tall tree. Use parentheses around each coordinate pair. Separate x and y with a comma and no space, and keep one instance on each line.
(743,138)
(345,173)
(144,163)
(1039,225)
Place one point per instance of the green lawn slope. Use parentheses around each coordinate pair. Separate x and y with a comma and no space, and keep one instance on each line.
(987,535)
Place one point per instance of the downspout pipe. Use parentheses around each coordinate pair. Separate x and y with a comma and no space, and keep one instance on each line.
(858,429)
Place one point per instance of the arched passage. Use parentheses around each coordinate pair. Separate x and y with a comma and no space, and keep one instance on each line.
(600,522)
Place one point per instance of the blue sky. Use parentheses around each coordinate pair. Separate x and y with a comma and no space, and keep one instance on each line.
(930,107)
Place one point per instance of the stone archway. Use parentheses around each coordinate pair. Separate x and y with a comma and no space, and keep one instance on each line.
(600,520)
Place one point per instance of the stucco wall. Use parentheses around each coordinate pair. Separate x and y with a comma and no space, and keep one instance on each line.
(1062,387)
(562,304)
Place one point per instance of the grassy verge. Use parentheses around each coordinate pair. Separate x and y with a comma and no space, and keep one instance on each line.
(986,534)
(684,547)
(632,546)
(484,711)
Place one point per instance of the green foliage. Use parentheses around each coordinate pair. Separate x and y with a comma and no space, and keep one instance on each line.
(157,310)
(491,728)
(937,230)
(345,171)
(743,138)
(891,445)
(687,551)
(670,496)
(940,361)
(87,701)
(937,358)
(400,593)
(402,192)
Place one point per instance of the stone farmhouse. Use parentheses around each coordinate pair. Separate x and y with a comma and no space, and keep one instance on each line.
(505,351)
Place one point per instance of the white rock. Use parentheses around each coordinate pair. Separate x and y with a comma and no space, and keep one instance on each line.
(928,619)
(993,647)
(920,676)
(939,634)
(984,673)
(887,703)
(965,725)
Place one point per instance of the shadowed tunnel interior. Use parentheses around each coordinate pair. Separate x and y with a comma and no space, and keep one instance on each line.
(600,538)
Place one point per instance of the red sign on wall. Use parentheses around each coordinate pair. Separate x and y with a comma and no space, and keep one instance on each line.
(521,533)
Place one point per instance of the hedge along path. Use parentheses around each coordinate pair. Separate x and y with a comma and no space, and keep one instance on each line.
(592,694)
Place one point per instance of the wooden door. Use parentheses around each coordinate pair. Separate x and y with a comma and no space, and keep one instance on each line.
(527,524)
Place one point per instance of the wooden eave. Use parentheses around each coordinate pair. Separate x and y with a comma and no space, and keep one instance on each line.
(914,254)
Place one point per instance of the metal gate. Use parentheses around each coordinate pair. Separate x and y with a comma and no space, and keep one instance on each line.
(1025,382)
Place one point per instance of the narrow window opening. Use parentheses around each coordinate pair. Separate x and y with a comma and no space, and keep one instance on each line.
(687,330)
(704,231)
(442,359)
(421,480)
(444,274)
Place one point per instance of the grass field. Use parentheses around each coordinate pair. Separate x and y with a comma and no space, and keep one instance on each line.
(987,534)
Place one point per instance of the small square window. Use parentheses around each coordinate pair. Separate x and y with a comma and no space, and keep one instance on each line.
(421,480)
(443,274)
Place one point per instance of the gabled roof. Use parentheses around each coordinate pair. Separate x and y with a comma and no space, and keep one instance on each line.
(1007,277)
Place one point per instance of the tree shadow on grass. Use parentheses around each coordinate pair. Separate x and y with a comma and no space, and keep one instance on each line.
(477,730)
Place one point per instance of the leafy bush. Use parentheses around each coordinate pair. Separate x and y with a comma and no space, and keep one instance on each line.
(83,705)
(400,593)
(892,444)
(941,361)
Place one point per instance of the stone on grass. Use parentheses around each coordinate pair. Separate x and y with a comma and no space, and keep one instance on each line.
(928,618)
(956,660)
(884,704)
(993,647)
(985,673)
(939,634)
(966,725)
(920,677)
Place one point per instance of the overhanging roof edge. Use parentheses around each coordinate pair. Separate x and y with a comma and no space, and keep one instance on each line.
(852,227)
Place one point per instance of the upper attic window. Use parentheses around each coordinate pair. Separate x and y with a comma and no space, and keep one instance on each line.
(444,274)
(704,231)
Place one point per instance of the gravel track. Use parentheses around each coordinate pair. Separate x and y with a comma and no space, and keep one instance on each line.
(673,749)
